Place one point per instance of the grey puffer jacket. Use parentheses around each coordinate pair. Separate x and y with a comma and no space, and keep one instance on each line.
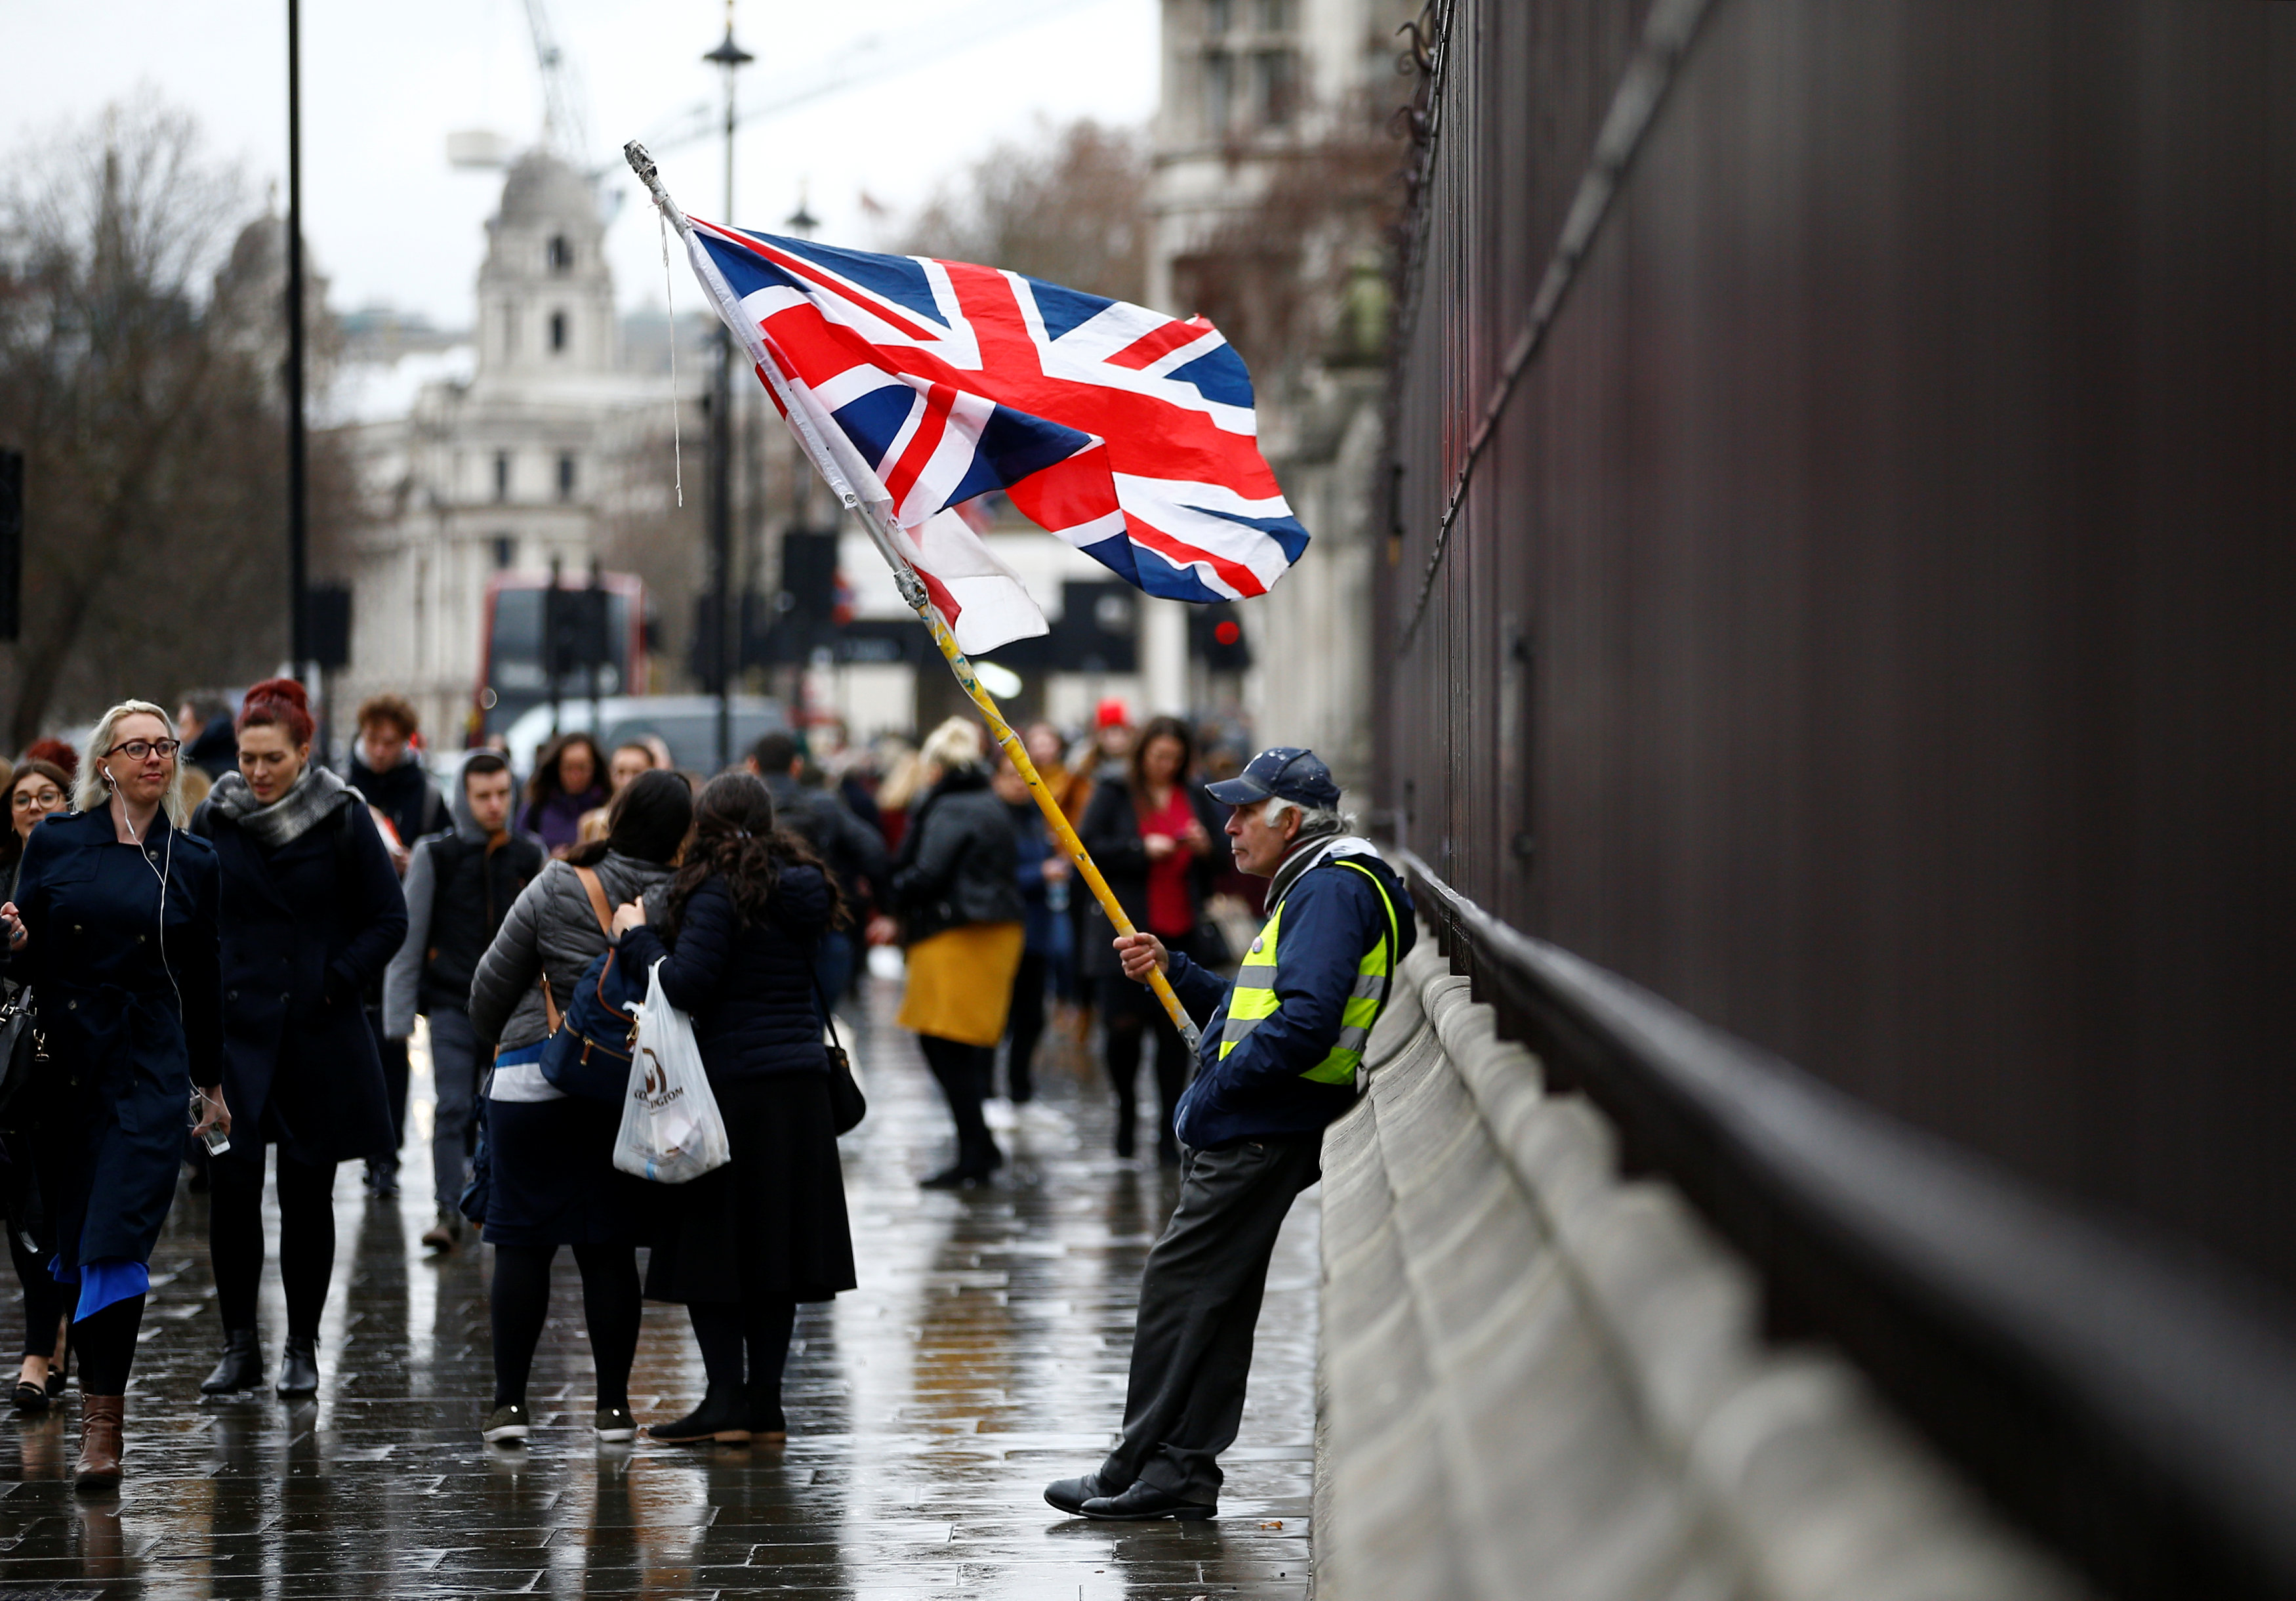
(550,929)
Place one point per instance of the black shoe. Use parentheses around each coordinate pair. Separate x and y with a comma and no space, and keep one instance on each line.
(242,1368)
(382,1180)
(1144,1503)
(954,1178)
(723,1415)
(31,1396)
(299,1366)
(1069,1495)
(1123,1146)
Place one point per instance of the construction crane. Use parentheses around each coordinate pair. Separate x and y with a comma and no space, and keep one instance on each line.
(565,120)
(867,59)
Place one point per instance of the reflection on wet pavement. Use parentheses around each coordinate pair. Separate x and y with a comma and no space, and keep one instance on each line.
(983,1355)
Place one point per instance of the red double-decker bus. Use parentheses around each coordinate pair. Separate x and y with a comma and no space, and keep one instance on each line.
(513,677)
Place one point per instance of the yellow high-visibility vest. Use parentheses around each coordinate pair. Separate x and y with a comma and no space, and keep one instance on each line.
(1253,999)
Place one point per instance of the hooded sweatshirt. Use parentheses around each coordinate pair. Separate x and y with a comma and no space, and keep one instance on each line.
(459,888)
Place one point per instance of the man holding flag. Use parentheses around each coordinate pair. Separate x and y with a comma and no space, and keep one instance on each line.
(1277,1061)
(915,385)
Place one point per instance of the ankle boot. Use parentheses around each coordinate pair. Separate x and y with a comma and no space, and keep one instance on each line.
(769,1424)
(299,1365)
(242,1368)
(100,1443)
(723,1415)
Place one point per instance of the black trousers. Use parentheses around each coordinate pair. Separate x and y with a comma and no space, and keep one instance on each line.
(44,1297)
(1130,1015)
(1024,1026)
(307,1236)
(1198,1303)
(963,1072)
(396,1069)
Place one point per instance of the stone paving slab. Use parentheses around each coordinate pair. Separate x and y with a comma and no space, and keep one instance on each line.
(983,1354)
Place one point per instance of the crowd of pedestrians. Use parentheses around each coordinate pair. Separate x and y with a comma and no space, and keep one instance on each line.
(254,966)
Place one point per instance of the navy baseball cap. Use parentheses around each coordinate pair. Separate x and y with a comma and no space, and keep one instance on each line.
(1285,773)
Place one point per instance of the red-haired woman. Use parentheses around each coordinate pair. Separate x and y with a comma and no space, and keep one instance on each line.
(312,914)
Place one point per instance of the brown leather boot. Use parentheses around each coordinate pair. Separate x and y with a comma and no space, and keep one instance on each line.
(100,1444)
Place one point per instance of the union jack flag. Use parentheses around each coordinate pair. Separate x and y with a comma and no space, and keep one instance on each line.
(923,384)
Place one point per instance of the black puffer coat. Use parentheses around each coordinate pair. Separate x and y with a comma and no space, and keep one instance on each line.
(958,860)
(748,987)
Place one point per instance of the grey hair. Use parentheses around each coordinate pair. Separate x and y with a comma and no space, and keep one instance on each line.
(1313,819)
(88,790)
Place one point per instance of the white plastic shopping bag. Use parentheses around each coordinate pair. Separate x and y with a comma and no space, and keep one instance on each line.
(672,1130)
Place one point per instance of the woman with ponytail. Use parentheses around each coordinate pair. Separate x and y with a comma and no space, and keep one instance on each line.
(552,1156)
(742,1245)
(312,914)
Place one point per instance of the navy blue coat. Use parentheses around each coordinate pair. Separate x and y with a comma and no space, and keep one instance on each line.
(128,1032)
(1333,917)
(306,931)
(748,988)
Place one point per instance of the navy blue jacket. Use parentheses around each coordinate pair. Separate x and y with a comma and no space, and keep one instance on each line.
(124,1049)
(1331,918)
(748,987)
(306,931)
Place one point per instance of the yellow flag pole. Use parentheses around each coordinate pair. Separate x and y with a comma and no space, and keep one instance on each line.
(912,592)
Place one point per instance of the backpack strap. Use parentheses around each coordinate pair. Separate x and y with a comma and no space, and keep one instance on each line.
(597,893)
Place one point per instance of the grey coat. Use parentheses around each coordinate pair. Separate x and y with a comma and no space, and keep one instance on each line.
(550,929)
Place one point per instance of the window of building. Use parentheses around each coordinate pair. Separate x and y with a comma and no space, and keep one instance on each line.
(502,475)
(510,328)
(557,331)
(1274,16)
(1219,93)
(505,551)
(561,254)
(1218,15)
(566,476)
(1274,74)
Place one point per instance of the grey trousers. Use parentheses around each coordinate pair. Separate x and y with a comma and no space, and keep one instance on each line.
(1198,1303)
(455,1082)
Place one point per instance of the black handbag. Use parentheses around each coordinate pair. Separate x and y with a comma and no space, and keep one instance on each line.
(846,1104)
(22,1054)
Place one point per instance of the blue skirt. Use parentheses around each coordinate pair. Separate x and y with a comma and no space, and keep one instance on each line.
(554,1182)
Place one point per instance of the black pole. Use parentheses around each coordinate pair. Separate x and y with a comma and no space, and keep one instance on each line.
(729,58)
(297,489)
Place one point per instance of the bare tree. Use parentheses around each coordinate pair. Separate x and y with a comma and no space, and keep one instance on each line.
(1069,206)
(149,423)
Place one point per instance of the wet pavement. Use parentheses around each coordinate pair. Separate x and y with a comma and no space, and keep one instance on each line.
(983,1355)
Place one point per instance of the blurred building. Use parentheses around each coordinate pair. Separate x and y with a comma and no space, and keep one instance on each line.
(1264,103)
(496,455)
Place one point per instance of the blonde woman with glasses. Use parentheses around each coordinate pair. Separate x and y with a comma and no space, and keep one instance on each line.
(113,926)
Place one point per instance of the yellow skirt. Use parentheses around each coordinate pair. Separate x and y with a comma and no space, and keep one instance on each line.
(961,982)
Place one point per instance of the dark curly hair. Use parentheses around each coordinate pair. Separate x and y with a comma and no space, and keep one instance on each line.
(735,839)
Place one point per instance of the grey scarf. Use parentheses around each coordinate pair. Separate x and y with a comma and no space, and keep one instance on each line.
(309,801)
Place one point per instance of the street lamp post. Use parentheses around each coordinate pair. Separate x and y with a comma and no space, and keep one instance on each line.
(729,58)
(298,488)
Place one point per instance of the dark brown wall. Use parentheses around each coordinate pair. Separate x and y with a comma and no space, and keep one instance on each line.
(1896,522)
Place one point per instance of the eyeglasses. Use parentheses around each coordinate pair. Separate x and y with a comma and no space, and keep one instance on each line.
(139,750)
(37,801)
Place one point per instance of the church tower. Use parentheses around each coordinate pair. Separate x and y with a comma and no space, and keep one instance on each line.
(545,296)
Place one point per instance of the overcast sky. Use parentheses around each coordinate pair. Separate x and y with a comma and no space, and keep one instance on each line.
(384,81)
